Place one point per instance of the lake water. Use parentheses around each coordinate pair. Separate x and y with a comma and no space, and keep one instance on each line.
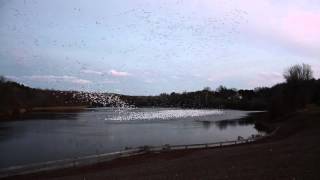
(53,136)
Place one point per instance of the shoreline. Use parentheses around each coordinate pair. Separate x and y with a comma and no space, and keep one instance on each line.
(106,157)
(251,118)
(292,131)
(58,108)
(22,113)
(18,114)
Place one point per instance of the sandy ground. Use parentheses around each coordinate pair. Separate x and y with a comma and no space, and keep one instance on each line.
(292,153)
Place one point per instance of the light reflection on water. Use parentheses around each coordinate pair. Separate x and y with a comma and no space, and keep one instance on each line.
(53,136)
(161,114)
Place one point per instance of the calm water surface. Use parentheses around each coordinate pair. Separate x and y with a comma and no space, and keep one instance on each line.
(53,136)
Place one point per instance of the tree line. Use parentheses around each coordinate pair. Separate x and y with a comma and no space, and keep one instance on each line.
(299,89)
(17,98)
(222,97)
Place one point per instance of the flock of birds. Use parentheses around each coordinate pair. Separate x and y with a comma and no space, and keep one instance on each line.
(126,112)
(165,32)
(161,114)
(170,36)
(101,99)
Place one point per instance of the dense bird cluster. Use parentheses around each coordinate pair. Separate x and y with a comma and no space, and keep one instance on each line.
(162,115)
(99,99)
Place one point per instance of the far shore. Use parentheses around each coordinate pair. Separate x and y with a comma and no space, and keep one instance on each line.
(19,113)
(59,108)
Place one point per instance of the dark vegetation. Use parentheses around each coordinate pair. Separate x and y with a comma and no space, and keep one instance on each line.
(16,99)
(222,97)
(299,90)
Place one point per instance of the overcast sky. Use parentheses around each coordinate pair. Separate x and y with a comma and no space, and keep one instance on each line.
(148,47)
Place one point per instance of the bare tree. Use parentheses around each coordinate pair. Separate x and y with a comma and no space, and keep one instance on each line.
(2,79)
(207,88)
(298,73)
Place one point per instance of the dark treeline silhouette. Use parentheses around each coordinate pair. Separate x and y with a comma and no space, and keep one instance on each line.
(17,98)
(299,90)
(221,98)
